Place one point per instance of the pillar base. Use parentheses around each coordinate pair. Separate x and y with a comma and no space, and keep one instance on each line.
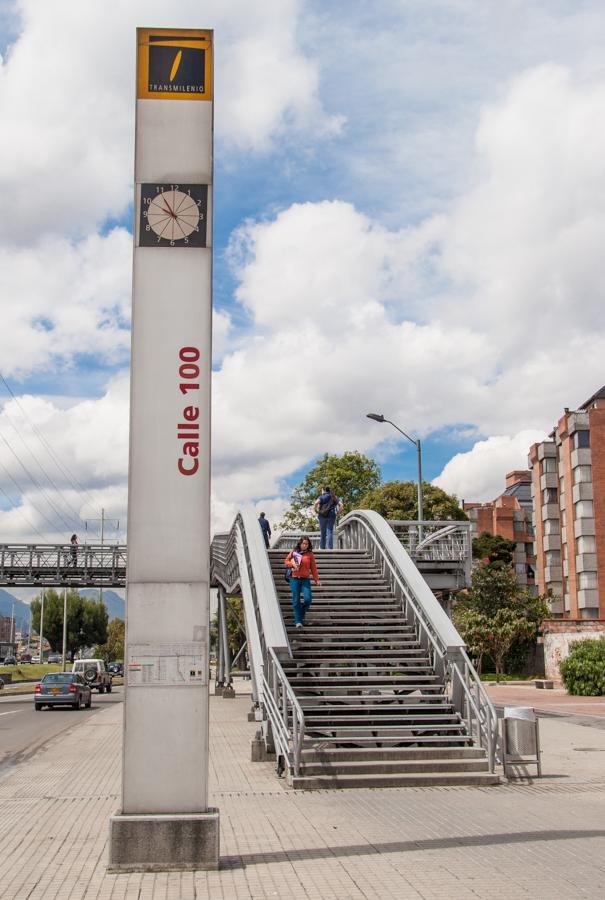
(218,690)
(160,843)
(228,692)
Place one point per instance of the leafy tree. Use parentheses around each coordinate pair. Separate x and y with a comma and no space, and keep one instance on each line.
(493,548)
(495,617)
(350,476)
(399,500)
(113,648)
(86,620)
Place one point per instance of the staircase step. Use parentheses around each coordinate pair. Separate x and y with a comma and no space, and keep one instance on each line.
(425,740)
(395,767)
(332,782)
(331,755)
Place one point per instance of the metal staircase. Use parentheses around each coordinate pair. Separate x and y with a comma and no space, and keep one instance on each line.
(376,690)
(375,710)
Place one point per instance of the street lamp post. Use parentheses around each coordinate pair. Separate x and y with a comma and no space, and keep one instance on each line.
(378,417)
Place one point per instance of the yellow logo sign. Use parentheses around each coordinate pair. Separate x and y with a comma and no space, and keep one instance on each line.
(174,64)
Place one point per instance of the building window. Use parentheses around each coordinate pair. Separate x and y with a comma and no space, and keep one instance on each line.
(549,495)
(582,474)
(581,440)
(584,509)
(586,544)
(549,464)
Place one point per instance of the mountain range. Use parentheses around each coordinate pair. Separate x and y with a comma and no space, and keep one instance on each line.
(116,608)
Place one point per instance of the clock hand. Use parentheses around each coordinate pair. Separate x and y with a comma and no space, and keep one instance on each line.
(171,211)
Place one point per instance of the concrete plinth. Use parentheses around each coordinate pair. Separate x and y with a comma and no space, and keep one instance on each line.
(228,692)
(218,690)
(149,843)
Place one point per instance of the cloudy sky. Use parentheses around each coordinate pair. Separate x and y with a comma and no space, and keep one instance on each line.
(409,219)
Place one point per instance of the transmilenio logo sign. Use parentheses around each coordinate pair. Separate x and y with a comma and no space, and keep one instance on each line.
(176,69)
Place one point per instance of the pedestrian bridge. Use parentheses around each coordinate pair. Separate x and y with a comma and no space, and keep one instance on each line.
(441,551)
(57,565)
(375,689)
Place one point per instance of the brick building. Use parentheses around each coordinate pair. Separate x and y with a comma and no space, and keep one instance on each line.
(568,488)
(6,628)
(510,517)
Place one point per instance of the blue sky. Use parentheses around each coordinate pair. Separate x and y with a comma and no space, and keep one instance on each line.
(408,204)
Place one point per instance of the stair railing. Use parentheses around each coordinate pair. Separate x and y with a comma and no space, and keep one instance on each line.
(445,648)
(239,562)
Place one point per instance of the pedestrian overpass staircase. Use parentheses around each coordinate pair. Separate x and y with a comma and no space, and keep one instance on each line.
(377,689)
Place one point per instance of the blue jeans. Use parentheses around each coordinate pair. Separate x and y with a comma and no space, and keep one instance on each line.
(298,586)
(326,531)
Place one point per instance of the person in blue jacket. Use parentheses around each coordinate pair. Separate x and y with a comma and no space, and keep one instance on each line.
(265,528)
(327,506)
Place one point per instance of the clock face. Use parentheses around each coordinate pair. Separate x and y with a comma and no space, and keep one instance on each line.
(173,215)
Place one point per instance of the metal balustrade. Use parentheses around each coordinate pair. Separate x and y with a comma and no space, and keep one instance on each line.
(365,529)
(61,565)
(239,563)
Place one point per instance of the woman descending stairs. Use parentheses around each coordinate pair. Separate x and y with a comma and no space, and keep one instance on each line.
(376,712)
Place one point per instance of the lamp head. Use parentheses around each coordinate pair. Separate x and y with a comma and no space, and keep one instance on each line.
(376,416)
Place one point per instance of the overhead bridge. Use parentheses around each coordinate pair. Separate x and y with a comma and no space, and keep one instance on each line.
(57,565)
(376,689)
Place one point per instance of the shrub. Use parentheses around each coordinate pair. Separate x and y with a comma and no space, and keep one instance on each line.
(583,672)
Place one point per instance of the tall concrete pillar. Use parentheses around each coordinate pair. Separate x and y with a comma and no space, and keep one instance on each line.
(164,822)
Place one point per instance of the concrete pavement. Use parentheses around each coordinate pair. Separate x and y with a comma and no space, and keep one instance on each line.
(541,839)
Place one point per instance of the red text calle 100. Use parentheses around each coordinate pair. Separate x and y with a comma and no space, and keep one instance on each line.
(188,430)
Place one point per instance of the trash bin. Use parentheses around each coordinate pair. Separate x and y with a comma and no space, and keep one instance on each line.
(520,738)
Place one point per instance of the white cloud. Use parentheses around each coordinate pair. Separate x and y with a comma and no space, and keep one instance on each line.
(67,101)
(62,298)
(479,474)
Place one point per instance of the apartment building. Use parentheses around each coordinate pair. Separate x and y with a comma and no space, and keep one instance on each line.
(510,517)
(568,491)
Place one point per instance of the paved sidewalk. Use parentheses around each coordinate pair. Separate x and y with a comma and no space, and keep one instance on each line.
(556,700)
(543,839)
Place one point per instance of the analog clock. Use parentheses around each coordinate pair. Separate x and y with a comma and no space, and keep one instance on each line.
(173,215)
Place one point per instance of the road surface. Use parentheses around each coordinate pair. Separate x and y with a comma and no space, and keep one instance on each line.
(23,731)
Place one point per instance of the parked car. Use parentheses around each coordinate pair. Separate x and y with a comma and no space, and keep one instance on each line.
(54,658)
(116,668)
(25,659)
(62,689)
(36,658)
(94,673)
(9,661)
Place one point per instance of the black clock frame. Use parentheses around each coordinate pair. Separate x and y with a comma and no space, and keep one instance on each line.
(148,237)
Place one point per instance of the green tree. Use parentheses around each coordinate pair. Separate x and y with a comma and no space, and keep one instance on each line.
(86,620)
(493,548)
(113,648)
(399,500)
(495,617)
(350,476)
(236,629)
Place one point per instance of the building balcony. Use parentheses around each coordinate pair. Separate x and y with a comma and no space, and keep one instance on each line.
(567,603)
(565,568)
(578,421)
(586,562)
(583,527)
(551,542)
(550,511)
(588,599)
(549,480)
(582,491)
(546,448)
(552,573)
(556,606)
(581,457)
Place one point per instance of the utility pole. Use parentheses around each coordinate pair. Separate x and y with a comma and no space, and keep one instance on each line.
(64,626)
(102,521)
(41,626)
(13,624)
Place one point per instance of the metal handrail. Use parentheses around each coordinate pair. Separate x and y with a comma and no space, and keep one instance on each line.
(365,529)
(287,716)
(239,561)
(58,564)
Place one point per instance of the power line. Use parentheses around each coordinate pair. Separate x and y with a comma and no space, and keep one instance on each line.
(21,491)
(22,514)
(72,480)
(70,508)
